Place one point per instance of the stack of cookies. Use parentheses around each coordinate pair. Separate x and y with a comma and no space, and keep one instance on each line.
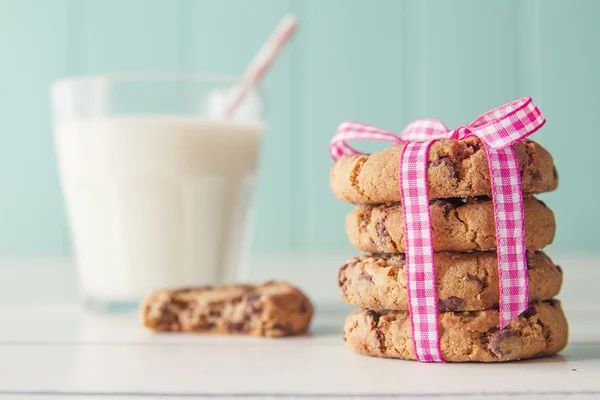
(464,242)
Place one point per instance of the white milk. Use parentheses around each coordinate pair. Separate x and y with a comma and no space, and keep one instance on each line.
(156,202)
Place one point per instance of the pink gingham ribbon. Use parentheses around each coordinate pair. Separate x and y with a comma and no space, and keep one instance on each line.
(498,129)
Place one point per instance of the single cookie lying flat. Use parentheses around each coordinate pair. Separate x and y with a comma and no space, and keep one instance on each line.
(271,309)
(464,336)
(457,168)
(465,281)
(458,225)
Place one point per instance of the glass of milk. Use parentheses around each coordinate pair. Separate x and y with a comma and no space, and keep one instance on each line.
(157,186)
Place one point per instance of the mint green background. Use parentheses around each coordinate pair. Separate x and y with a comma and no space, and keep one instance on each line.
(380,61)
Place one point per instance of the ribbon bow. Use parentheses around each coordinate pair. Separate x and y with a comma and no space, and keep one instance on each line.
(498,129)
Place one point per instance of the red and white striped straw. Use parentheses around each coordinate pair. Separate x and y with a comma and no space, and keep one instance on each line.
(262,62)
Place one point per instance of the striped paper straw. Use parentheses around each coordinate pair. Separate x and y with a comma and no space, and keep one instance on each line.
(262,62)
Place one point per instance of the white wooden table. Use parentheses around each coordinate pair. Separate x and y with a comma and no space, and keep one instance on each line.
(49,348)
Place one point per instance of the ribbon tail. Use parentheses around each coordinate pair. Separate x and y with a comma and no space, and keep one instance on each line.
(505,179)
(420,269)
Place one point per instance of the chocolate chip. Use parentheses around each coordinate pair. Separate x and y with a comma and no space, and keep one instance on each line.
(168,317)
(382,256)
(474,278)
(206,326)
(365,277)
(485,338)
(181,304)
(440,161)
(382,233)
(451,303)
(374,315)
(540,323)
(446,206)
(380,338)
(553,302)
(214,313)
(447,163)
(303,307)
(495,306)
(256,309)
(236,327)
(530,312)
(284,331)
(251,300)
(506,343)
(473,144)
(559,269)
(251,297)
(554,173)
(400,263)
(341,271)
(536,176)
(530,261)
(447,210)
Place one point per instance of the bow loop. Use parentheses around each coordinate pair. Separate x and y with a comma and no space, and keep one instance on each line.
(510,123)
(352,130)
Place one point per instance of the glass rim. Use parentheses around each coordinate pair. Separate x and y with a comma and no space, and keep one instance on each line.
(148,77)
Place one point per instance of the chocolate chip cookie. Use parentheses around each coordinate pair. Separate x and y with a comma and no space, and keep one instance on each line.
(465,281)
(464,336)
(457,168)
(271,309)
(461,224)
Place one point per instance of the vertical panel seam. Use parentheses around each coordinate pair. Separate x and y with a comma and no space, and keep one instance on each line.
(538,48)
(292,126)
(403,70)
(69,63)
(298,237)
(75,21)
(531,36)
(423,54)
(415,54)
(180,34)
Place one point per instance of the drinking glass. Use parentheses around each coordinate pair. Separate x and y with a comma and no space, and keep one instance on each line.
(157,186)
